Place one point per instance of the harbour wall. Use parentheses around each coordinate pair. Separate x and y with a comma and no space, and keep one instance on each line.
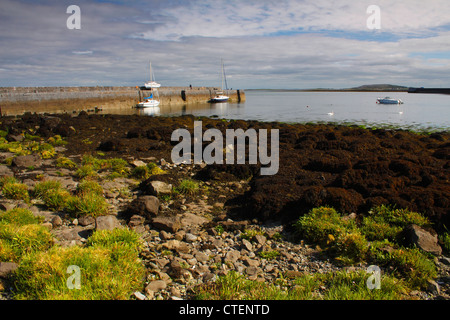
(429,90)
(17,100)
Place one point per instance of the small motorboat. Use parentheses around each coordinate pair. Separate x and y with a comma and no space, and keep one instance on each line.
(389,100)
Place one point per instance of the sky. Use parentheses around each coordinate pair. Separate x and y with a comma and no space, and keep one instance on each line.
(291,44)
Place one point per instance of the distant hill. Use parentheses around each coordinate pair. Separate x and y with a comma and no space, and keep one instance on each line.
(379,87)
(366,87)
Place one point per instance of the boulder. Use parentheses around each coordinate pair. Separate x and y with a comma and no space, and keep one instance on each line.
(190,219)
(158,187)
(108,222)
(86,221)
(423,239)
(27,161)
(166,223)
(146,206)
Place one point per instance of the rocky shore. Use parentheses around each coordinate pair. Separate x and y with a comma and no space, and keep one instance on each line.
(234,219)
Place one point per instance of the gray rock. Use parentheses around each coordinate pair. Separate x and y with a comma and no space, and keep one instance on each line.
(7,206)
(247,245)
(138,163)
(139,295)
(169,224)
(433,287)
(156,285)
(252,262)
(179,235)
(12,137)
(158,187)
(56,221)
(425,240)
(27,161)
(108,222)
(163,235)
(5,171)
(232,256)
(135,221)
(86,221)
(189,237)
(6,268)
(201,257)
(190,219)
(252,270)
(47,225)
(76,233)
(5,155)
(160,262)
(260,239)
(146,206)
(176,245)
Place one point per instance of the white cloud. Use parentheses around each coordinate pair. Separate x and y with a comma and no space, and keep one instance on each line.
(294,44)
(258,18)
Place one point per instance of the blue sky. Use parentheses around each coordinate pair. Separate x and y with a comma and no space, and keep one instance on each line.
(265,44)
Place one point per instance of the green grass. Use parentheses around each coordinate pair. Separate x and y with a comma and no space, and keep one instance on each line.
(19,217)
(249,234)
(339,285)
(87,204)
(85,171)
(108,238)
(109,270)
(374,240)
(20,235)
(52,193)
(109,262)
(141,172)
(188,187)
(269,255)
(411,264)
(63,162)
(116,165)
(89,186)
(12,189)
(445,239)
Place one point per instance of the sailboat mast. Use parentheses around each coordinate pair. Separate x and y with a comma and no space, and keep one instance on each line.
(150,71)
(221,75)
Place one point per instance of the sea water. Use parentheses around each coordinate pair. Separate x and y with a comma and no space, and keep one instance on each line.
(418,112)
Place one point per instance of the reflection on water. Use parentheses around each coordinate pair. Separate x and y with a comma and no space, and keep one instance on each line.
(149,111)
(419,111)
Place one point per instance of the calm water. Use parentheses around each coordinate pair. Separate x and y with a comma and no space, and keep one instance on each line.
(419,111)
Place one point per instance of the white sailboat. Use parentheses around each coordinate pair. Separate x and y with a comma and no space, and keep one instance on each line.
(152,83)
(151,101)
(219,95)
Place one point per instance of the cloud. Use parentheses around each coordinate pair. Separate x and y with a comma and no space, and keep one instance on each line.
(284,43)
(261,18)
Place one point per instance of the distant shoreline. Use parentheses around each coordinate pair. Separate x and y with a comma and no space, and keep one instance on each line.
(327,90)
